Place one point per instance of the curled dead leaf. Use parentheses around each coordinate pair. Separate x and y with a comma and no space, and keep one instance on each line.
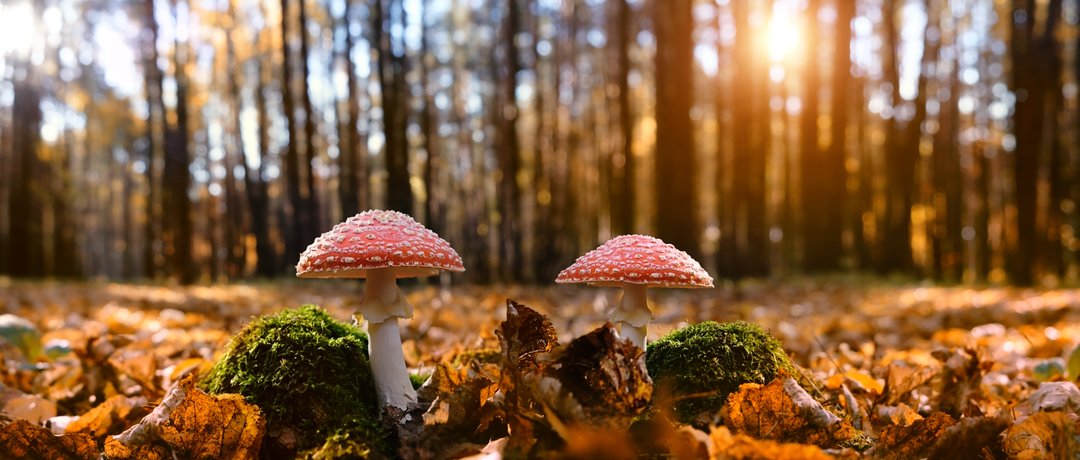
(606,375)
(191,423)
(524,334)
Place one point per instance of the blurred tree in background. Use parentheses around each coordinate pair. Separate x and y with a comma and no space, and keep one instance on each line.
(211,140)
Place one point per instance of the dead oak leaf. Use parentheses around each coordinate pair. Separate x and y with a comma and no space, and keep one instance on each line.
(1043,435)
(191,423)
(24,440)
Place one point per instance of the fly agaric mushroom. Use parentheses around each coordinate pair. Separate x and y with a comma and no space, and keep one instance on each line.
(636,263)
(381,246)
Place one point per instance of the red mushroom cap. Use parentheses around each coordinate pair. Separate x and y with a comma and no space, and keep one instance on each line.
(377,239)
(637,259)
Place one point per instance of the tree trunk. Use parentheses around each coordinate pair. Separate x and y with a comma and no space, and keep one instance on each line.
(623,184)
(177,178)
(509,154)
(676,191)
(391,70)
(25,211)
(1033,60)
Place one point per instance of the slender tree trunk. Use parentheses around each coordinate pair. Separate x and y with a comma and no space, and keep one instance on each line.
(623,183)
(391,69)
(676,197)
(901,156)
(1034,58)
(294,190)
(509,148)
(155,124)
(178,234)
(309,210)
(25,210)
(812,177)
(352,182)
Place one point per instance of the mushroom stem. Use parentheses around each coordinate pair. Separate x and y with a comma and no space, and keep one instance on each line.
(384,338)
(633,314)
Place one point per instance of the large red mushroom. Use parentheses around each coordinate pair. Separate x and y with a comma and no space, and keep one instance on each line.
(636,263)
(381,246)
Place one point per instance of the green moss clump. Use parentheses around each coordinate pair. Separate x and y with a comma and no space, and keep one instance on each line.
(417,380)
(307,372)
(699,365)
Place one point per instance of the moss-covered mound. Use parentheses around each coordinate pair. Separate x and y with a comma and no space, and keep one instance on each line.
(310,375)
(699,365)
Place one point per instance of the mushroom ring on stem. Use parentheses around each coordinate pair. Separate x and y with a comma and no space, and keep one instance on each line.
(636,263)
(381,246)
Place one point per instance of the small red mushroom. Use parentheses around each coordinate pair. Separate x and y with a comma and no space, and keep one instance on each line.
(381,246)
(636,263)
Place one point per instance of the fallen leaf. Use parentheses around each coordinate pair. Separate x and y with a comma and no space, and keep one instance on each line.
(900,414)
(724,445)
(902,379)
(606,375)
(32,408)
(911,441)
(961,378)
(865,381)
(1051,397)
(1072,369)
(524,334)
(109,417)
(21,439)
(970,435)
(1043,435)
(21,334)
(191,423)
(783,411)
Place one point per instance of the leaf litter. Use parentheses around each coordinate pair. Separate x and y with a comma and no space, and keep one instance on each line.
(892,371)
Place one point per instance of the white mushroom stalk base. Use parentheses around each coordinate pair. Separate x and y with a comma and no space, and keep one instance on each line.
(633,314)
(382,307)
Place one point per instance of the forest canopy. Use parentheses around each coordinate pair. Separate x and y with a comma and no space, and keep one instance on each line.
(212,140)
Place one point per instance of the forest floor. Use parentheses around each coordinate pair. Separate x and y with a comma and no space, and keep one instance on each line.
(920,370)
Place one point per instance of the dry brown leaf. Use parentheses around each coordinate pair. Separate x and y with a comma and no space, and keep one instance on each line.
(1051,397)
(723,445)
(191,423)
(525,334)
(783,411)
(900,414)
(902,379)
(912,441)
(971,435)
(28,407)
(1043,435)
(22,440)
(111,416)
(606,375)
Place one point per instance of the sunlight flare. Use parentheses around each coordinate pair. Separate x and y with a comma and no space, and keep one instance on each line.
(17,24)
(783,37)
